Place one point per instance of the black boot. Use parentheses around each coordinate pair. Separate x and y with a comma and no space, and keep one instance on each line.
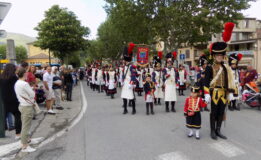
(167,106)
(147,109)
(173,107)
(155,101)
(125,106)
(213,127)
(133,107)
(151,108)
(218,129)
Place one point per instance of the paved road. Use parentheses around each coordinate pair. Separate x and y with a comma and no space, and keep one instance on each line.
(105,133)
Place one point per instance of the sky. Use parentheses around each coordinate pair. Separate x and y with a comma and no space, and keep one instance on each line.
(24,15)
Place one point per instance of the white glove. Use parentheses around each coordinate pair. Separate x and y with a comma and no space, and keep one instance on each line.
(158,85)
(230,96)
(207,98)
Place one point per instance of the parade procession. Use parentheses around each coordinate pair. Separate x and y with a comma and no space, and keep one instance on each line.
(162,79)
(130,80)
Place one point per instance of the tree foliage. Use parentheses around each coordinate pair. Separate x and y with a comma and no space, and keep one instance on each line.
(176,22)
(61,32)
(21,53)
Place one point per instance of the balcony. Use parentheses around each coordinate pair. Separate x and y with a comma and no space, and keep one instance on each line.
(246,52)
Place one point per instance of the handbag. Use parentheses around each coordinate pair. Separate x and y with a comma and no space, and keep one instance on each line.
(192,113)
(36,108)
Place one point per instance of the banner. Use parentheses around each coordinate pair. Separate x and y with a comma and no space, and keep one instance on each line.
(143,56)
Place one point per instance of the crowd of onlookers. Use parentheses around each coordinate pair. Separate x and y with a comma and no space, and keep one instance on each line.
(25,86)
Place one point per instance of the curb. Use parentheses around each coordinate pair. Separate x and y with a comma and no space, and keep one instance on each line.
(16,146)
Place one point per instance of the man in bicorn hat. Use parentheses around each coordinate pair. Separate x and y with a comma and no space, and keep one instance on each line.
(157,78)
(233,97)
(129,80)
(203,62)
(169,75)
(219,83)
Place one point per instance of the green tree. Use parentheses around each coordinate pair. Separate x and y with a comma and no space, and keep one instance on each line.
(2,51)
(176,22)
(61,32)
(21,53)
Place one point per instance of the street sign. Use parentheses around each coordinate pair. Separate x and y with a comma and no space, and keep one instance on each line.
(3,33)
(182,56)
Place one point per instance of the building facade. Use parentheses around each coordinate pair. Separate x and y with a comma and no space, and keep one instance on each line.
(37,56)
(246,39)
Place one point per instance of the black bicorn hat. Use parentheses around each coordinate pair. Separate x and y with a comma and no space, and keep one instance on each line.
(195,89)
(203,60)
(234,58)
(219,48)
(156,61)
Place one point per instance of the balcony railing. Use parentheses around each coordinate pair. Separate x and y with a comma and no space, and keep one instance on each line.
(247,52)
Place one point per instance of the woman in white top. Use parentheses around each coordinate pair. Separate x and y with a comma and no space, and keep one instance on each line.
(25,96)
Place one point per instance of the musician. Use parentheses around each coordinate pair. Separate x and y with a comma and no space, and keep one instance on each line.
(217,85)
(169,75)
(157,78)
(149,89)
(233,63)
(129,80)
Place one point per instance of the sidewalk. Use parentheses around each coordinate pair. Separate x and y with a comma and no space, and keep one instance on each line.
(45,125)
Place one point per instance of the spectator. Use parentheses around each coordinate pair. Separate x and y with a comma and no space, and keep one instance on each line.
(10,123)
(25,65)
(251,75)
(38,73)
(25,95)
(7,82)
(68,82)
(31,79)
(48,89)
(57,86)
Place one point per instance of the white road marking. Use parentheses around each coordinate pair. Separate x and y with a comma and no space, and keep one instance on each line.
(173,156)
(227,149)
(75,121)
(8,148)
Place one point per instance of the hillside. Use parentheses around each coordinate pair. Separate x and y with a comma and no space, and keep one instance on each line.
(20,39)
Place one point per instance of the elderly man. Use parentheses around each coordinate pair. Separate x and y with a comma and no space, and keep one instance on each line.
(48,89)
(57,86)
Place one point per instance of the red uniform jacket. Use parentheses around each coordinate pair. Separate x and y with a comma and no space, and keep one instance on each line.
(191,104)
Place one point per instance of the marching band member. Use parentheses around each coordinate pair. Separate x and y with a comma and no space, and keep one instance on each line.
(193,105)
(157,78)
(112,82)
(233,63)
(149,89)
(129,80)
(139,86)
(169,75)
(182,79)
(219,83)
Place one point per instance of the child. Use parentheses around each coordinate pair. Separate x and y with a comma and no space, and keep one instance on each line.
(192,108)
(149,89)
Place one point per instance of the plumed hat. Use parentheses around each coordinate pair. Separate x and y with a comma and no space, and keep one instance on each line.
(234,58)
(221,47)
